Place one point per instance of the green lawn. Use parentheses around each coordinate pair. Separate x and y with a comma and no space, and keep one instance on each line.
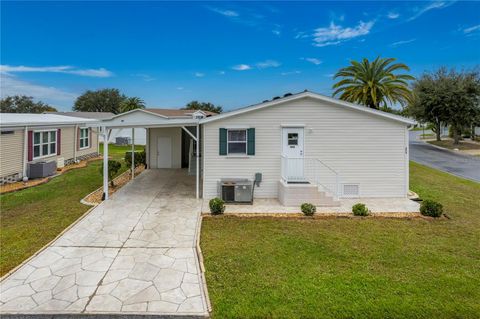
(350,268)
(461,146)
(32,217)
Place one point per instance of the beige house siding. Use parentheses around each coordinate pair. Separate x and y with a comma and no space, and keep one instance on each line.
(11,153)
(11,149)
(365,149)
(175,133)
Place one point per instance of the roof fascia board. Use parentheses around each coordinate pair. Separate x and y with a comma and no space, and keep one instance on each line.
(136,110)
(48,124)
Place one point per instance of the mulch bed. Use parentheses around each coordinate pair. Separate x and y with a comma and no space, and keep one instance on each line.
(13,187)
(95,197)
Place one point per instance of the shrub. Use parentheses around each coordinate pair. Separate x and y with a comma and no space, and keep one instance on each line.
(360,210)
(113,168)
(431,208)
(138,157)
(308,209)
(217,206)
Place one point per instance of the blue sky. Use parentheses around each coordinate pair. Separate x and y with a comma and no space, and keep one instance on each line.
(229,53)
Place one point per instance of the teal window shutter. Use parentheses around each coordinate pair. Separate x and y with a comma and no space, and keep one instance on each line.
(223,141)
(251,141)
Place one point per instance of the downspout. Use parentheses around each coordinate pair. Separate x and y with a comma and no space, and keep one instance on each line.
(25,153)
(105,165)
(133,152)
(147,148)
(75,143)
(197,179)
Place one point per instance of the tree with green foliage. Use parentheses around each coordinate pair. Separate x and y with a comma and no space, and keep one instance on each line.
(113,168)
(447,96)
(204,106)
(107,100)
(131,103)
(23,104)
(374,84)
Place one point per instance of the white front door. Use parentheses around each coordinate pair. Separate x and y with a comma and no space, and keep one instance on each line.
(164,152)
(292,151)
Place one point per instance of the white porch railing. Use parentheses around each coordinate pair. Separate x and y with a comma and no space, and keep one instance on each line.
(312,170)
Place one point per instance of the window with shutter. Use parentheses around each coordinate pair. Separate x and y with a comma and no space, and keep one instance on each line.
(44,143)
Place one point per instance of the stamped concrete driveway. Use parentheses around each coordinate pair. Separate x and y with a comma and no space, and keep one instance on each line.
(133,254)
(465,166)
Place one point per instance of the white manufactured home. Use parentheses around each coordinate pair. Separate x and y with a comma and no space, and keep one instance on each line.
(300,148)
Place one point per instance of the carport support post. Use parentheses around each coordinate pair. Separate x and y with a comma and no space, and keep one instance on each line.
(105,163)
(133,153)
(197,163)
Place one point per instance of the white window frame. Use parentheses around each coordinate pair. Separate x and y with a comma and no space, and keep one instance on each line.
(237,142)
(86,138)
(40,145)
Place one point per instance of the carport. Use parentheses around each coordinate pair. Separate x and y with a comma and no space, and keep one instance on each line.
(169,133)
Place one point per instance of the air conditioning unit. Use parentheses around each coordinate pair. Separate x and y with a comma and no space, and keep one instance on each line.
(60,162)
(236,190)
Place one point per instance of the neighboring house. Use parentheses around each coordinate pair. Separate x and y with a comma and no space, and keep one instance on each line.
(303,147)
(140,133)
(31,138)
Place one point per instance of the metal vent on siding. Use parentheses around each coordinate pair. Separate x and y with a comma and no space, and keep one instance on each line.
(351,190)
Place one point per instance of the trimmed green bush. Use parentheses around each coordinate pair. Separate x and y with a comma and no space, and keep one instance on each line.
(139,158)
(113,168)
(308,209)
(360,210)
(431,208)
(217,206)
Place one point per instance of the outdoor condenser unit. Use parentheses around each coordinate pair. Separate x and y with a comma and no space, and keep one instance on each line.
(236,190)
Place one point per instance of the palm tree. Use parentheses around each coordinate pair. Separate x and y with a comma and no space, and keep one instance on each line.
(373,84)
(131,103)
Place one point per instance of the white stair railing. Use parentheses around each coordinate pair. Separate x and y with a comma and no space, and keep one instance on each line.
(312,170)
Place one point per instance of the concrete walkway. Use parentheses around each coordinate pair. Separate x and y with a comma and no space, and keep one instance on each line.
(132,255)
(466,166)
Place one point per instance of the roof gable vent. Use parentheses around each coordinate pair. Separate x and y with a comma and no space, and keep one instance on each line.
(198,115)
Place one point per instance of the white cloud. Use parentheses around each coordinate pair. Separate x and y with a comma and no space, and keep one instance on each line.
(335,34)
(180,88)
(301,35)
(226,13)
(241,67)
(268,64)
(199,74)
(67,69)
(145,77)
(418,11)
(221,72)
(398,43)
(291,72)
(276,32)
(393,15)
(313,60)
(11,85)
(472,29)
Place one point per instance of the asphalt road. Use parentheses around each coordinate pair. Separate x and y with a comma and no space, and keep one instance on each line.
(465,166)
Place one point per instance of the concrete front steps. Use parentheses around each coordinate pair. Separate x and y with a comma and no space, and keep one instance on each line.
(297,194)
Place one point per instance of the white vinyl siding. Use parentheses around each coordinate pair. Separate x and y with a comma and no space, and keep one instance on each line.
(365,149)
(44,143)
(11,153)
